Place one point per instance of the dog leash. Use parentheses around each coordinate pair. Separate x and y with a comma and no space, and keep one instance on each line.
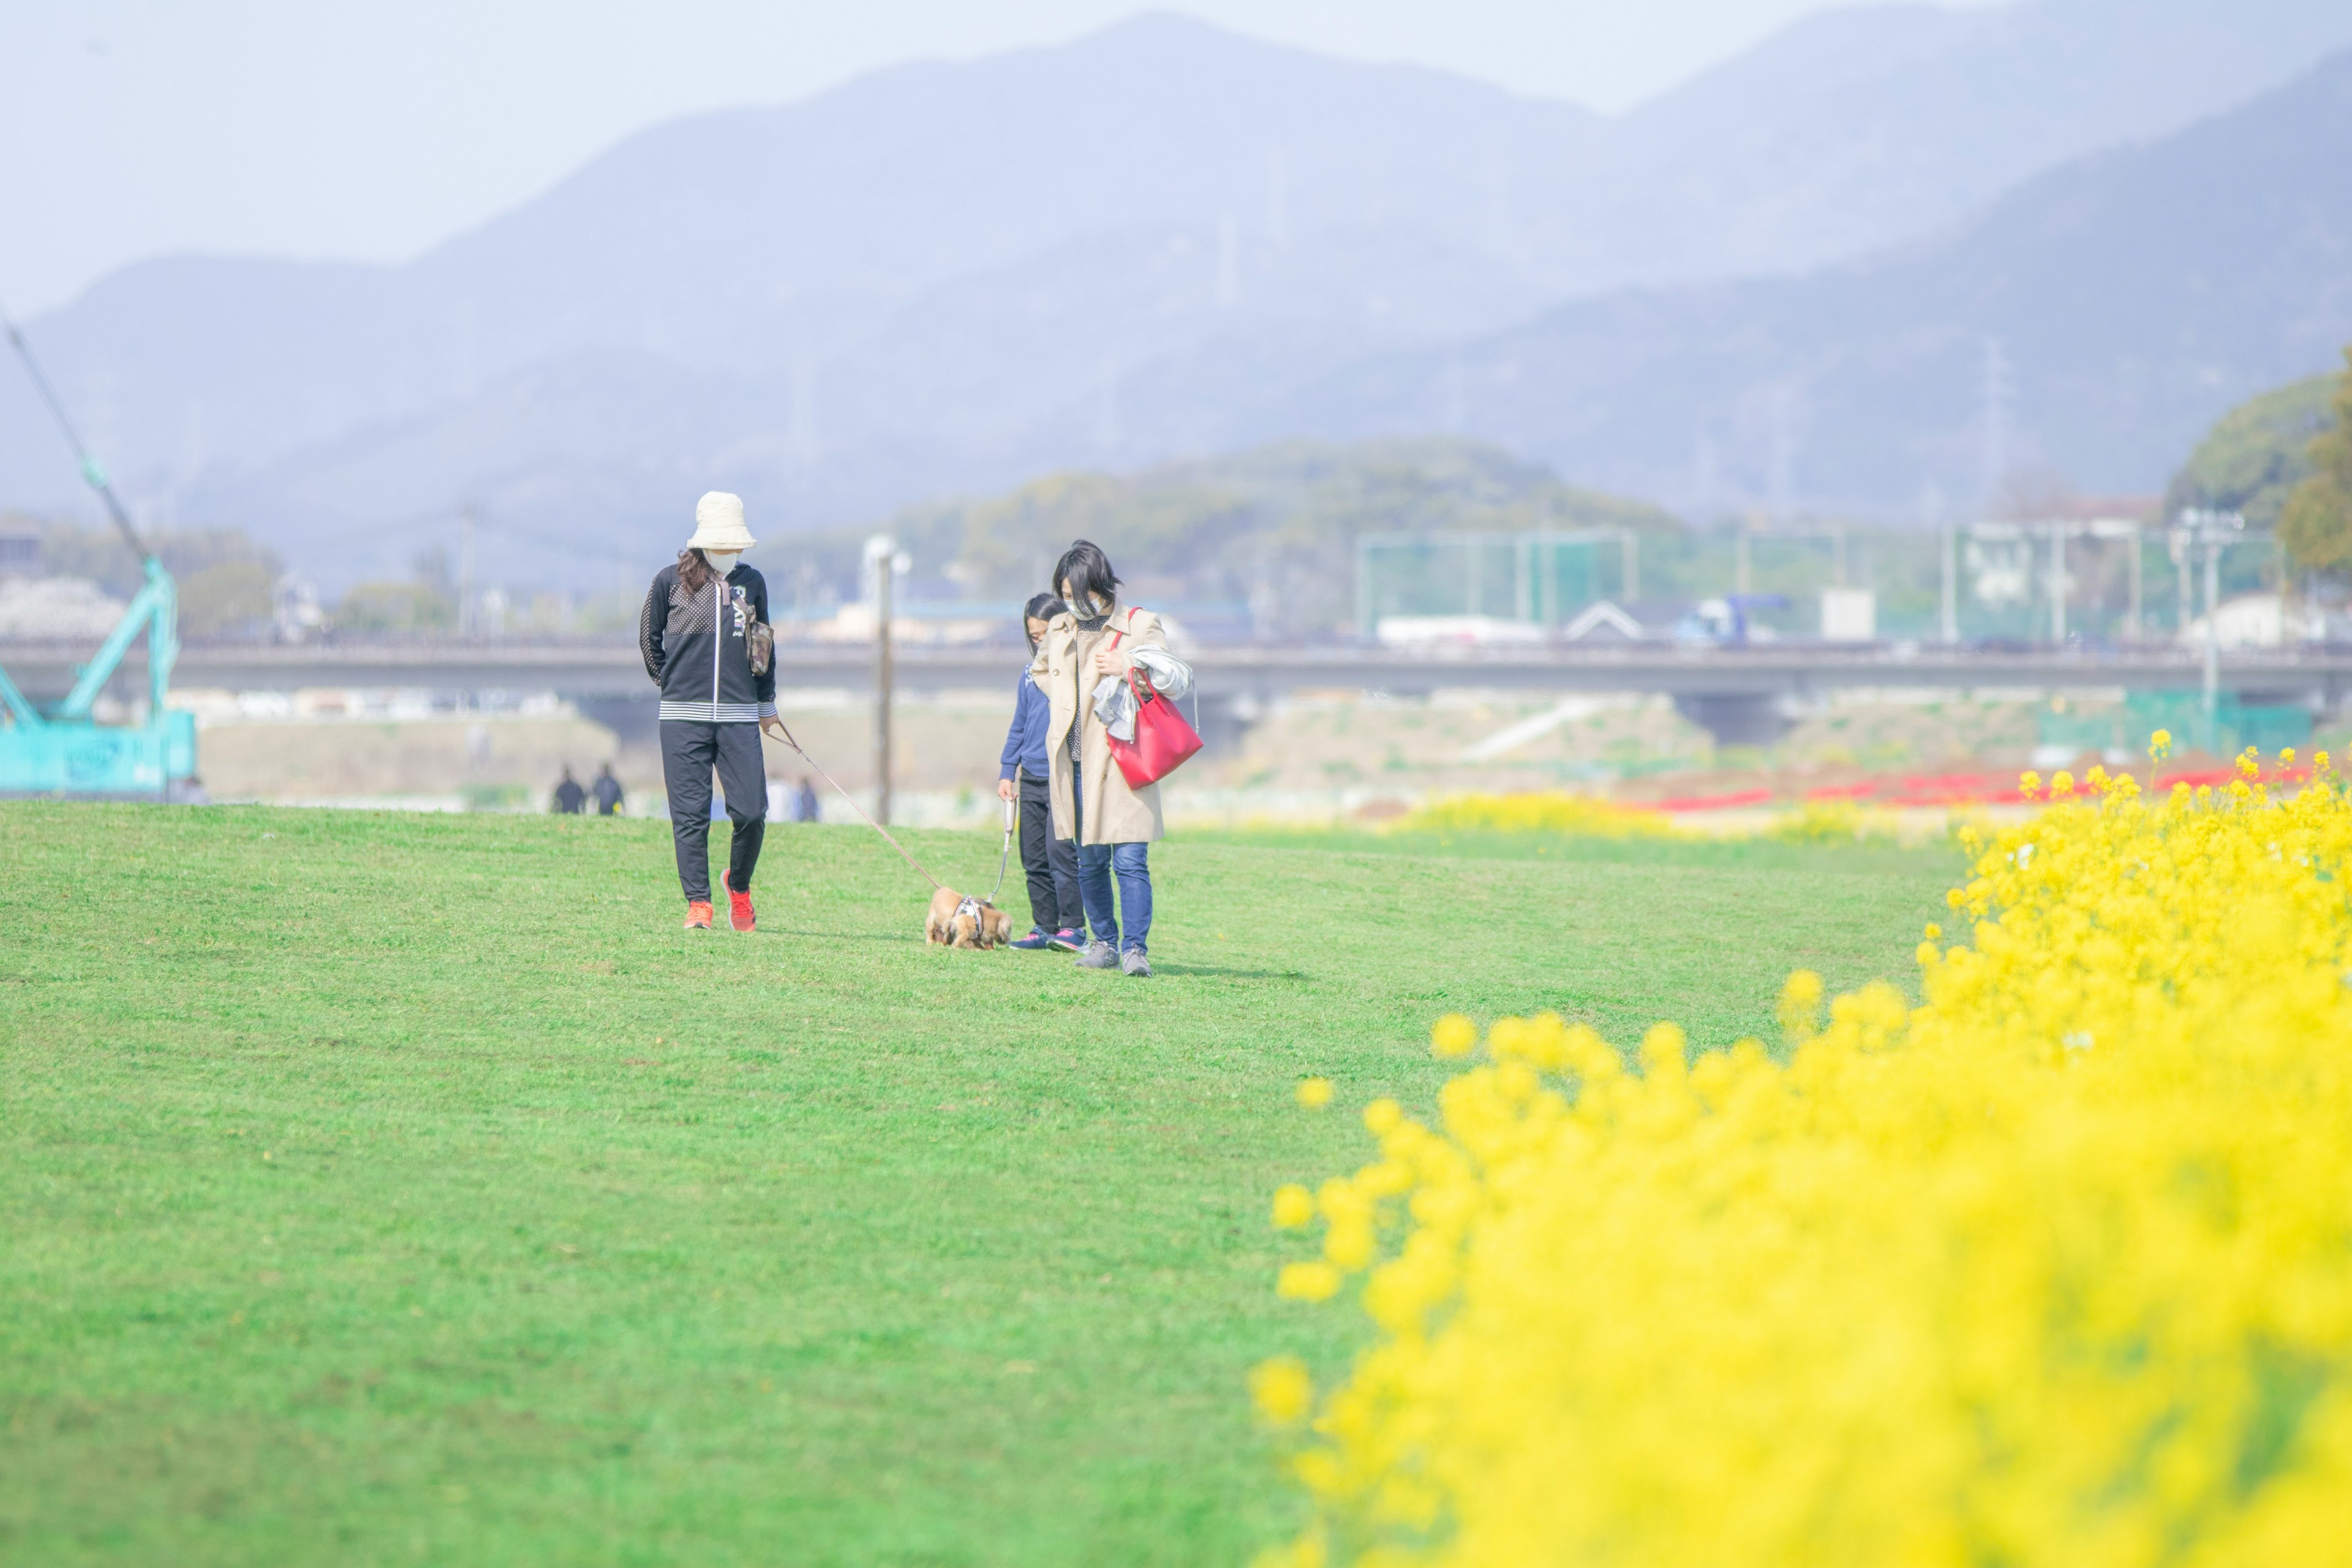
(1004,857)
(861,811)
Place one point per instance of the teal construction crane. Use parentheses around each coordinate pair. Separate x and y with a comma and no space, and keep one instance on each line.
(65,750)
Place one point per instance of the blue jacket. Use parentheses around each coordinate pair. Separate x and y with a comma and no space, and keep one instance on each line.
(1024,742)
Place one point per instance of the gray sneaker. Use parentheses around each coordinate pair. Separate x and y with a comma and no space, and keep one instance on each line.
(1132,961)
(1100,954)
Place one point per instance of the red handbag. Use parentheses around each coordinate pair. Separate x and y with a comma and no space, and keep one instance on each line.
(1163,740)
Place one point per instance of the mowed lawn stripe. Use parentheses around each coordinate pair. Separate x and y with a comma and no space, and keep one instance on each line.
(391,1189)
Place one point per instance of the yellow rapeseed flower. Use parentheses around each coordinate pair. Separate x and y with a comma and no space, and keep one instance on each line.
(2160,745)
(1830,822)
(1801,1003)
(1453,1036)
(1281,1389)
(2052,1268)
(1573,816)
(1314,1093)
(1307,1282)
(1294,1206)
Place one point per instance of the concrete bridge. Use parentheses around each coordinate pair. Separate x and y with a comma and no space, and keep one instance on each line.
(1741,695)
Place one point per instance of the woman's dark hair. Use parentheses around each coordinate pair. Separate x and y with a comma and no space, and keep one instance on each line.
(1040,607)
(1086,571)
(694,573)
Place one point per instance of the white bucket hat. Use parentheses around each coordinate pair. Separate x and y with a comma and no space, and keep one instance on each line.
(719,523)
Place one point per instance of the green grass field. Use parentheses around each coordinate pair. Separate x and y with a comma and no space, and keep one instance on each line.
(404,1189)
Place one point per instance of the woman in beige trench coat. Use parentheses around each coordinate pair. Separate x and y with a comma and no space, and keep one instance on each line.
(1114,825)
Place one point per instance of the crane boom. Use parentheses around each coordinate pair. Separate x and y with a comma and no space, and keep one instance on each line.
(65,752)
(92,471)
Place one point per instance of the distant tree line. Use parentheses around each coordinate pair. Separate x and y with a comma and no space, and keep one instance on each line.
(2316,525)
(225,579)
(2283,461)
(1274,527)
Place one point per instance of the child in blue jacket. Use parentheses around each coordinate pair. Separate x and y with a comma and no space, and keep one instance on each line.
(1057,918)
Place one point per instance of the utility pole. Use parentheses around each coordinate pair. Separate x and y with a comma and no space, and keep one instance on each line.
(2212,640)
(1951,605)
(1931,516)
(880,556)
(2177,547)
(2212,530)
(2131,628)
(465,572)
(2058,584)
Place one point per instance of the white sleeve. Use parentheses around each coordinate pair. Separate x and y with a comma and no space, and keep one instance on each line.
(1170,675)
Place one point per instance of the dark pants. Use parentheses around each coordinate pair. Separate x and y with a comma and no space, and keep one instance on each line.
(1052,863)
(690,750)
(1097,864)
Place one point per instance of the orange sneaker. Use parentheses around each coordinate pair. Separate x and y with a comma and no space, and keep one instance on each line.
(698,915)
(738,905)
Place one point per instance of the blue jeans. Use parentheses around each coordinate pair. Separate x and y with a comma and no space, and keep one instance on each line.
(1097,863)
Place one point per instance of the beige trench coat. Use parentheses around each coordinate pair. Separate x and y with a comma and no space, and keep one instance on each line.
(1115,814)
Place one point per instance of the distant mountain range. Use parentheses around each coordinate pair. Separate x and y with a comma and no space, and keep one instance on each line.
(2092,324)
(1165,240)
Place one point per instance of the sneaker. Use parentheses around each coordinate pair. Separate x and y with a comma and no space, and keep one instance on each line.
(1035,941)
(1069,941)
(698,915)
(738,905)
(1132,961)
(1098,955)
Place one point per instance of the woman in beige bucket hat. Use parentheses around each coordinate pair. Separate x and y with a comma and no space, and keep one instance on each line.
(696,635)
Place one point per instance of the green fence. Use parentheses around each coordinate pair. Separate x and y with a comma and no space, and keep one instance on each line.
(1540,577)
(2233,726)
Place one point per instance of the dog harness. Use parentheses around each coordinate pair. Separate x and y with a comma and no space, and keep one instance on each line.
(970,906)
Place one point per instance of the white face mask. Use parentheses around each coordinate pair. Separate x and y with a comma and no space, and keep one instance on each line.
(722,561)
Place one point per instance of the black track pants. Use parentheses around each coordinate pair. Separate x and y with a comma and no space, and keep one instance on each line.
(690,750)
(1052,863)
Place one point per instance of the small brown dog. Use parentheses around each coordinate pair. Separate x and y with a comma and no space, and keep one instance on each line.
(955,921)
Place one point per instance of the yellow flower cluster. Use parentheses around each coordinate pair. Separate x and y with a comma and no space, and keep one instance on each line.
(1539,811)
(1830,822)
(2054,1268)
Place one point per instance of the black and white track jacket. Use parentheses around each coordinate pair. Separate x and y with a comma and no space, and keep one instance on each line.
(698,651)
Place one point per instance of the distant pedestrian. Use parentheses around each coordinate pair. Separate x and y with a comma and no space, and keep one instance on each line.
(571,800)
(805,806)
(607,790)
(1082,666)
(701,618)
(1056,912)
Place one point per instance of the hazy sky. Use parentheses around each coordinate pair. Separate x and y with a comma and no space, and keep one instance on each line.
(370,129)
